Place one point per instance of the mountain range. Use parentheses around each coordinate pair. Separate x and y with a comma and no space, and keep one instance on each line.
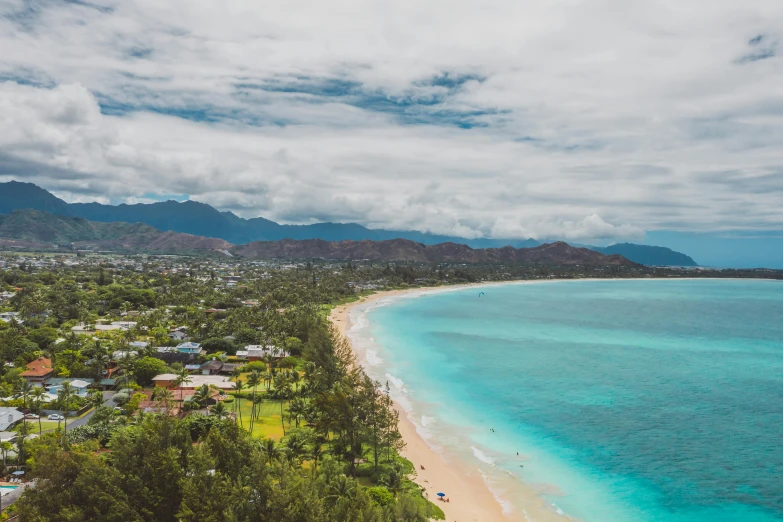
(38,229)
(202,220)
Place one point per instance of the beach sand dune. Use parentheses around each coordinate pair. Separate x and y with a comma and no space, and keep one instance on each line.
(470,499)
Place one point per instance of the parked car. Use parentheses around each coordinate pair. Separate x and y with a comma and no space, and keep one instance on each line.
(56,416)
(31,416)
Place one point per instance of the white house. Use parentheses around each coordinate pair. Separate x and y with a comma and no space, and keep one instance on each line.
(7,316)
(9,417)
(254,352)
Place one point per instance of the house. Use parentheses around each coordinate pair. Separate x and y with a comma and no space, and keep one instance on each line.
(79,386)
(170,355)
(166,380)
(38,370)
(179,397)
(7,316)
(189,347)
(124,325)
(9,417)
(212,367)
(179,334)
(255,352)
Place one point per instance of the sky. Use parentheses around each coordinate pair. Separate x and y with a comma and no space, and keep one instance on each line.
(600,121)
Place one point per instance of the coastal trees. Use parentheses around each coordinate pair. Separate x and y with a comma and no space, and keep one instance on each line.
(253,380)
(64,395)
(182,377)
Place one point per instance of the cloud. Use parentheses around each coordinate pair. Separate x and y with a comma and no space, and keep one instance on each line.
(536,119)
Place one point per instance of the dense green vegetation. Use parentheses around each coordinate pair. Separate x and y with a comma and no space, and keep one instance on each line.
(337,458)
(308,437)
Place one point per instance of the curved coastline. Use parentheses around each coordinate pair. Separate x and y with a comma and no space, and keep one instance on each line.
(471,494)
(452,468)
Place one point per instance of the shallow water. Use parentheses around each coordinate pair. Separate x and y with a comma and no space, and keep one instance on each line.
(626,400)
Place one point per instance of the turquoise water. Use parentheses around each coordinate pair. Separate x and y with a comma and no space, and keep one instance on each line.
(626,400)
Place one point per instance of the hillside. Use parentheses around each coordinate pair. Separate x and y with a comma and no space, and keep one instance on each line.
(648,255)
(200,219)
(404,250)
(37,229)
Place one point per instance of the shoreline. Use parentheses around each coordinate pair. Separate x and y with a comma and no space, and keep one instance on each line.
(470,497)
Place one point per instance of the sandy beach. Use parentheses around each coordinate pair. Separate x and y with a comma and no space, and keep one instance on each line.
(470,499)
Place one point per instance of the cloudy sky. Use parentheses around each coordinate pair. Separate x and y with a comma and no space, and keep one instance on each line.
(597,120)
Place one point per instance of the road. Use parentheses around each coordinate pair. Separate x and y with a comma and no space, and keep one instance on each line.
(107,395)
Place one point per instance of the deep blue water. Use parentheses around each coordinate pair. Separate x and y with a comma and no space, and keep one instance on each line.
(627,400)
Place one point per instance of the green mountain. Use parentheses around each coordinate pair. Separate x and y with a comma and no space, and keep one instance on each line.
(37,229)
(43,227)
(648,255)
(200,219)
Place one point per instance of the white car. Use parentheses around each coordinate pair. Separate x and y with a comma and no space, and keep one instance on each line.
(56,416)
(31,416)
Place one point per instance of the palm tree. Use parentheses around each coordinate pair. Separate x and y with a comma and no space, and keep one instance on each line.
(341,487)
(220,410)
(269,447)
(5,447)
(269,359)
(282,390)
(253,380)
(294,378)
(295,410)
(183,377)
(38,394)
(296,446)
(164,396)
(95,398)
(239,386)
(65,394)
(316,450)
(23,388)
(202,396)
(394,478)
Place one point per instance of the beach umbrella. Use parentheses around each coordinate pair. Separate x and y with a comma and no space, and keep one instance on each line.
(18,473)
(441,494)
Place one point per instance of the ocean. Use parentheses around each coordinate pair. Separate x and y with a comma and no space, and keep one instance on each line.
(616,400)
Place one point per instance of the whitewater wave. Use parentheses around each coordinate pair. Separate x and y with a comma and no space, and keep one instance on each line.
(505,505)
(372,357)
(483,457)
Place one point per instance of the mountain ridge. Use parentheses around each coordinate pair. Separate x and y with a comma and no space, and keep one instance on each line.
(36,228)
(203,220)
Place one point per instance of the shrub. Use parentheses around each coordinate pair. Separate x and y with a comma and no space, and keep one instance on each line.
(218,344)
(147,368)
(255,365)
(100,432)
(245,336)
(381,496)
(289,362)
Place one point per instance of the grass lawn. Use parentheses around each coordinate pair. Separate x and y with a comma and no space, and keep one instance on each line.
(47,425)
(268,425)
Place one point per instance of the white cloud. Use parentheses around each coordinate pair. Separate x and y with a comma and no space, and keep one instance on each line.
(589,120)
